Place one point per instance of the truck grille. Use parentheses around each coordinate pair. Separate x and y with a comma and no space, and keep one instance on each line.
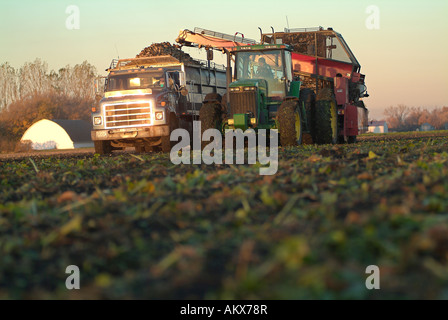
(132,114)
(243,102)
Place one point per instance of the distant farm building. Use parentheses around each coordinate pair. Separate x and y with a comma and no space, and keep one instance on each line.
(426,127)
(378,127)
(58,134)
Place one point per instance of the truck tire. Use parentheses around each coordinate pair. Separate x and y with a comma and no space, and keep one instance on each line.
(289,124)
(326,121)
(167,144)
(102,147)
(140,148)
(210,117)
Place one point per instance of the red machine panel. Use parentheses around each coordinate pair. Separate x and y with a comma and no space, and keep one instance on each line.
(351,120)
(327,68)
(341,90)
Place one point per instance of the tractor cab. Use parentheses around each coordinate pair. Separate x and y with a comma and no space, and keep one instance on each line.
(262,80)
(268,66)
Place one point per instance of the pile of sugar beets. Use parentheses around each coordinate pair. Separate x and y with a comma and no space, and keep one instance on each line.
(166,48)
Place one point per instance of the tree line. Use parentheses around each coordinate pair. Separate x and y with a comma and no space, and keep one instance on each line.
(404,118)
(33,92)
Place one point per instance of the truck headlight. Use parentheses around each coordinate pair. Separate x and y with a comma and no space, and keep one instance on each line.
(159,115)
(230,122)
(249,88)
(97,121)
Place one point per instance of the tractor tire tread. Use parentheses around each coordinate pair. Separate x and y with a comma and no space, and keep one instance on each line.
(286,123)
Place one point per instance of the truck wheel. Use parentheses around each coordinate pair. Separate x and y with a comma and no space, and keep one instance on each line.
(326,121)
(210,117)
(140,148)
(102,147)
(289,124)
(351,139)
(307,98)
(166,143)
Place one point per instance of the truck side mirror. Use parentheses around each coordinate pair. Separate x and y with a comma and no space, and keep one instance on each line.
(96,84)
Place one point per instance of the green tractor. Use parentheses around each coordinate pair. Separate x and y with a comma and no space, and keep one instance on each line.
(264,95)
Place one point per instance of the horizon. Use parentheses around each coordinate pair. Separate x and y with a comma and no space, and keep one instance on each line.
(399,46)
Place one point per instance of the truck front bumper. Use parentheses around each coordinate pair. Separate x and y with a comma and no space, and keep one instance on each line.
(130,133)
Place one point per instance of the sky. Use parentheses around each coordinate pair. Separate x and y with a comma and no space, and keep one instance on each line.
(401,45)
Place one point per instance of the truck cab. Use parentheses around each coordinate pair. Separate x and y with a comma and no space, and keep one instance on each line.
(139,104)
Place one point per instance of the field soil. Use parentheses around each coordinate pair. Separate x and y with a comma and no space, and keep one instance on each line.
(140,227)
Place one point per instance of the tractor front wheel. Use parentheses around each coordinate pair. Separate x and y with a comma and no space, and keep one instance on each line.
(289,124)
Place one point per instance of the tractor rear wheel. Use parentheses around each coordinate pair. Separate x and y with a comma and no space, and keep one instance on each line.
(166,143)
(289,124)
(102,147)
(210,117)
(326,119)
(307,98)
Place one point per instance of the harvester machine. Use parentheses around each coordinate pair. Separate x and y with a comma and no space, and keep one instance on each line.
(297,82)
(332,87)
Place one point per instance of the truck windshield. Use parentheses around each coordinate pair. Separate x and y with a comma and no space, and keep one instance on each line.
(135,81)
(267,65)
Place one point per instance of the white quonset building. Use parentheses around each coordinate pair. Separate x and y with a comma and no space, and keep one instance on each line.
(58,134)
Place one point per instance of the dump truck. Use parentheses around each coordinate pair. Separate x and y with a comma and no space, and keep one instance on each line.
(146,98)
(304,83)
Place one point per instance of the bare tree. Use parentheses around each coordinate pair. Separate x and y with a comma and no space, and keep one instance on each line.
(396,116)
(425,117)
(33,79)
(438,117)
(412,120)
(9,89)
(83,80)
(76,82)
